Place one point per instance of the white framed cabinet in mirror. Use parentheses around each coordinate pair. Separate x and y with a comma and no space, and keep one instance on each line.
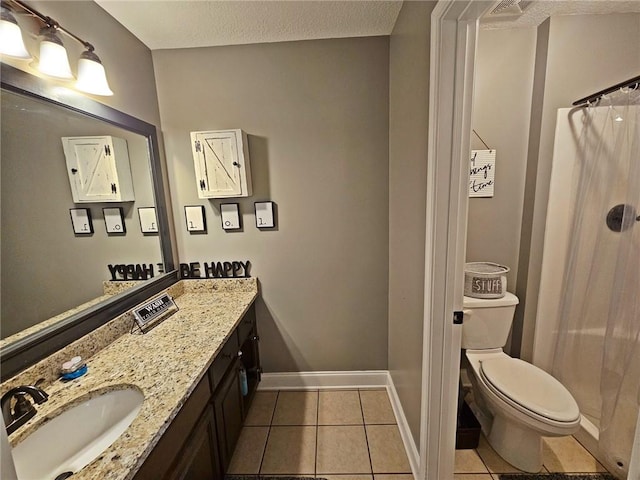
(99,169)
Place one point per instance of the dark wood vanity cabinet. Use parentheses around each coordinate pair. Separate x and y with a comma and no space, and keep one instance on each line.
(199,459)
(199,443)
(227,404)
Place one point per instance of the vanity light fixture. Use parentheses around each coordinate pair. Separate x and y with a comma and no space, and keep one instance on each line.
(53,60)
(11,42)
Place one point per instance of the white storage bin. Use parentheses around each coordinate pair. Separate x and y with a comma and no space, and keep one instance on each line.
(485,280)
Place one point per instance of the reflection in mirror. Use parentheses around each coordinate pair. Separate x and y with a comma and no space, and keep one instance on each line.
(52,279)
(46,268)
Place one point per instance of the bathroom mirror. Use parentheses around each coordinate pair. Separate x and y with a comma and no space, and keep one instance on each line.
(52,278)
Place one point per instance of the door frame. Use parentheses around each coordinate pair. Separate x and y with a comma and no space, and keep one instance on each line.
(454,27)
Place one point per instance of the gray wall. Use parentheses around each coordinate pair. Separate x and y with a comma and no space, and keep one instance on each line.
(128,63)
(501,113)
(316,113)
(586,53)
(408,128)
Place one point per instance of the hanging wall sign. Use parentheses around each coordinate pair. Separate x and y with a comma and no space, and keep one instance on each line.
(265,217)
(230,215)
(81,221)
(148,219)
(194,215)
(114,220)
(482,170)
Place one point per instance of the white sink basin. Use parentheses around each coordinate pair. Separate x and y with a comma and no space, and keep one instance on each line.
(77,436)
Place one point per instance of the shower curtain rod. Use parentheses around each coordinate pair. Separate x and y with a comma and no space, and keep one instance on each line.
(632,82)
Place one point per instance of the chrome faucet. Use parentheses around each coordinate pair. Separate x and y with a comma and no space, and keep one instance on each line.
(23,409)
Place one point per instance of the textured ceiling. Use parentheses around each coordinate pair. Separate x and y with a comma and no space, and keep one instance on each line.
(185,24)
(534,13)
(162,24)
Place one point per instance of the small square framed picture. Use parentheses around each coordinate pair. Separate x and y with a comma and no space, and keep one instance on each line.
(114,220)
(265,217)
(194,216)
(230,214)
(81,221)
(148,220)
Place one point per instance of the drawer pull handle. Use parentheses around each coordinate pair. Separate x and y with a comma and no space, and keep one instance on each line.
(255,338)
(240,354)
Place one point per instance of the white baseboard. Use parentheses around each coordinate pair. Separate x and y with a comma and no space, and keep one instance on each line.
(316,380)
(348,380)
(407,438)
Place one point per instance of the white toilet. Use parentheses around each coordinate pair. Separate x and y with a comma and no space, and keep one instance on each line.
(516,403)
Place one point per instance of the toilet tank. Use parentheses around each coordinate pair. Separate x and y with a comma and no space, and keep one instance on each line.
(487,322)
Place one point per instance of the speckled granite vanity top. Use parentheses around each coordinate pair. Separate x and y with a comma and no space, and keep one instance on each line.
(165,364)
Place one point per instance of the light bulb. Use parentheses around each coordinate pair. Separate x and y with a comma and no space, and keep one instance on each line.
(11,42)
(91,75)
(53,56)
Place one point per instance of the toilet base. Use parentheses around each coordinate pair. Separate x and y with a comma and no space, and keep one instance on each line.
(519,445)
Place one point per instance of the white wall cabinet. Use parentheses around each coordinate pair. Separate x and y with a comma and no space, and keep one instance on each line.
(99,169)
(221,160)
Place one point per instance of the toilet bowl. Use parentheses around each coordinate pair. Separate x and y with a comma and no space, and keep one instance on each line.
(517,402)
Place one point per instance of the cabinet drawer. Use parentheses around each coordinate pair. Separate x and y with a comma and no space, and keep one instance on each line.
(245,328)
(225,358)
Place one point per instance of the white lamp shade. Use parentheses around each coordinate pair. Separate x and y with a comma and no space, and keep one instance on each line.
(53,60)
(11,42)
(92,78)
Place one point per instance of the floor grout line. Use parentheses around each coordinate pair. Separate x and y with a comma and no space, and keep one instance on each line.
(317,426)
(366,437)
(264,452)
(315,462)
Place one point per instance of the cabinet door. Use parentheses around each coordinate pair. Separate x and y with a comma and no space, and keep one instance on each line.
(173,444)
(199,458)
(92,170)
(221,164)
(251,362)
(227,403)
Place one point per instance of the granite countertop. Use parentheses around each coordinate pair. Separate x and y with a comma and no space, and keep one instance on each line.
(165,364)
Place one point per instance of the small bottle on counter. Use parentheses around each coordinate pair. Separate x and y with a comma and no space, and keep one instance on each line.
(244,386)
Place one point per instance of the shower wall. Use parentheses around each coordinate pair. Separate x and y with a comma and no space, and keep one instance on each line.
(576,55)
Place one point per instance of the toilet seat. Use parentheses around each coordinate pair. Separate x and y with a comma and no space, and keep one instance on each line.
(529,389)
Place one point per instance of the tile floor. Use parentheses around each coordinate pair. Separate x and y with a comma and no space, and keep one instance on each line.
(353,435)
(560,455)
(336,434)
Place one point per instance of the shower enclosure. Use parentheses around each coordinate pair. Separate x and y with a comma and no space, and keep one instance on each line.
(588,320)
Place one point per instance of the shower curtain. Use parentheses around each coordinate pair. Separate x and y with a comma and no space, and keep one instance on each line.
(598,341)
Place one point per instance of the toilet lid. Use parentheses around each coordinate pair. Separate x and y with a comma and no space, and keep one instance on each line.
(531,388)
